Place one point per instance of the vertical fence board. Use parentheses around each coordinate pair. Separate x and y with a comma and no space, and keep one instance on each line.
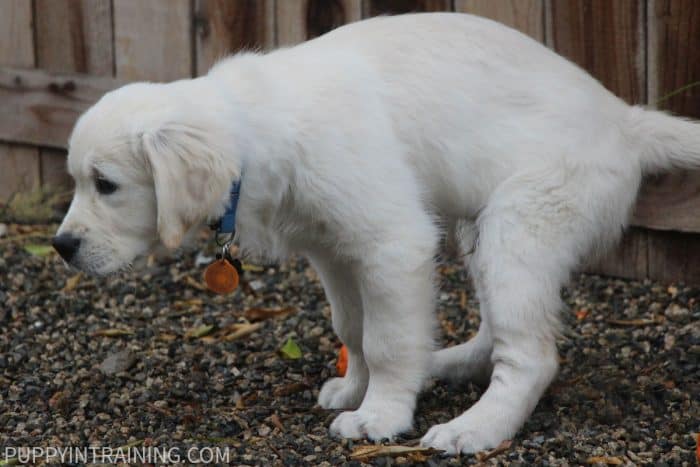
(19,169)
(383,7)
(153,39)
(672,201)
(674,54)
(673,257)
(604,37)
(300,20)
(54,173)
(19,165)
(223,27)
(629,259)
(524,15)
(608,40)
(74,36)
(16,35)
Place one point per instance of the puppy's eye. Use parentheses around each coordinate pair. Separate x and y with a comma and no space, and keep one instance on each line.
(104,186)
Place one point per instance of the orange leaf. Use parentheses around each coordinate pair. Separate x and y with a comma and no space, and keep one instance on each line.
(341,366)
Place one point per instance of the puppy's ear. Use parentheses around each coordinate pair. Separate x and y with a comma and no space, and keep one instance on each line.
(191,177)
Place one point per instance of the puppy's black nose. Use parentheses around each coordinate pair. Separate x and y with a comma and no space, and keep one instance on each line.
(66,245)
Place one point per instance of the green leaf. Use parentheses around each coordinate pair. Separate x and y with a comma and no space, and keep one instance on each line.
(38,250)
(291,350)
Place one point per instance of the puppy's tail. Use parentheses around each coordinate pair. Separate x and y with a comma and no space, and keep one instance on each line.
(666,141)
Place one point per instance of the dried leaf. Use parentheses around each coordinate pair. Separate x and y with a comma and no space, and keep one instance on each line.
(113,332)
(167,337)
(38,250)
(192,282)
(191,303)
(581,314)
(370,451)
(260,314)
(275,420)
(463,300)
(500,449)
(252,267)
(239,330)
(59,401)
(291,350)
(604,460)
(72,282)
(200,331)
(132,444)
(289,389)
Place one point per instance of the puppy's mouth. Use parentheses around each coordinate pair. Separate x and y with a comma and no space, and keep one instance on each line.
(101,265)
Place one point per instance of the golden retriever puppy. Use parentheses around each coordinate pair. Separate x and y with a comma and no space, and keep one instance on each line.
(348,149)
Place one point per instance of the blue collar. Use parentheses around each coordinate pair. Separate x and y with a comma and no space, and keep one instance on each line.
(227,223)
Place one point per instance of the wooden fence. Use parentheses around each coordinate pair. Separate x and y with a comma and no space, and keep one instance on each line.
(58,56)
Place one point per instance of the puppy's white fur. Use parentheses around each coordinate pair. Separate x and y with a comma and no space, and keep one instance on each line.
(352,147)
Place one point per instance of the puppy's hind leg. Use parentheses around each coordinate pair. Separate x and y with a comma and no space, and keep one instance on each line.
(470,361)
(342,291)
(524,254)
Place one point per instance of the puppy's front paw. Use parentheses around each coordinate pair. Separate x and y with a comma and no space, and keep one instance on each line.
(373,424)
(341,393)
(454,438)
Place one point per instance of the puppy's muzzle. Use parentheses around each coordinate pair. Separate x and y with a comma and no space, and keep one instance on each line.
(66,245)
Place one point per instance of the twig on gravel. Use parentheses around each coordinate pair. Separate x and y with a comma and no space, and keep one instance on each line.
(500,449)
(272,446)
(604,460)
(635,322)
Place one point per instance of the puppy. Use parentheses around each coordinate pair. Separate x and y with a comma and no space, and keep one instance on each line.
(350,149)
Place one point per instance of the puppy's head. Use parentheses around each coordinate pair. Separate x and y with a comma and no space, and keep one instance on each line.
(148,163)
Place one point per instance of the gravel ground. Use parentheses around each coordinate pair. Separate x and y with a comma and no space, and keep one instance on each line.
(149,358)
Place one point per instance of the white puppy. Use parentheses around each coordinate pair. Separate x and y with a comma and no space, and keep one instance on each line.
(350,147)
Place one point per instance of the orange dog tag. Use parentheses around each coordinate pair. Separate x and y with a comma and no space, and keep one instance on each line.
(341,366)
(221,277)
